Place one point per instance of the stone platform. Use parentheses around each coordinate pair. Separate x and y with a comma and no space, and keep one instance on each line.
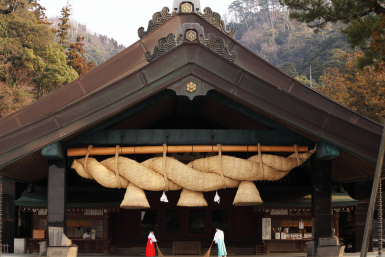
(373,254)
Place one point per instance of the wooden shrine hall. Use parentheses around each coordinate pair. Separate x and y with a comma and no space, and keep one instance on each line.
(183,132)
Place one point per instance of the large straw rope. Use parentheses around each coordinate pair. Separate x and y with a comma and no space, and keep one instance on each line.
(208,174)
(205,176)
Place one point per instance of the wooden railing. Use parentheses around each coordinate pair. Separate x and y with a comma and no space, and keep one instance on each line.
(4,248)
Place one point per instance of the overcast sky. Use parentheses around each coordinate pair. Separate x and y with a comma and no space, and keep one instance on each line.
(120,19)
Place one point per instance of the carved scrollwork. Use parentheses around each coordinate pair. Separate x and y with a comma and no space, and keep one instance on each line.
(215,19)
(164,46)
(218,45)
(157,20)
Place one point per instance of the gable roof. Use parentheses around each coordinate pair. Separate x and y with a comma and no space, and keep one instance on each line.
(127,79)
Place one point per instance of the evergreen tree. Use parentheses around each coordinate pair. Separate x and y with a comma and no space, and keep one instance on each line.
(75,57)
(55,71)
(64,26)
(32,64)
(289,69)
(362,18)
(13,6)
(39,12)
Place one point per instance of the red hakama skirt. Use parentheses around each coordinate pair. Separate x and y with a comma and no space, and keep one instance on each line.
(150,249)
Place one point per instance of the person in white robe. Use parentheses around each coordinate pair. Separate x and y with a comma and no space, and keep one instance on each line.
(87,235)
(219,239)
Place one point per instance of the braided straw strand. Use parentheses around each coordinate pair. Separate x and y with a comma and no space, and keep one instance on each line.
(116,168)
(261,162)
(164,167)
(220,166)
(86,158)
(297,155)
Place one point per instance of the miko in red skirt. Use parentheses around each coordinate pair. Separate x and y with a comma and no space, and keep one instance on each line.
(150,249)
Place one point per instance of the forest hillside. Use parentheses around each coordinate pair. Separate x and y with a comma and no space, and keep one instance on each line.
(266,29)
(343,56)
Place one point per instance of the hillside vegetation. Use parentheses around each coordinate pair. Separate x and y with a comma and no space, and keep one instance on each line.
(340,47)
(38,57)
(266,28)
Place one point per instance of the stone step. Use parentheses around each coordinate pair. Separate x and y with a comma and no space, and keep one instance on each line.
(141,251)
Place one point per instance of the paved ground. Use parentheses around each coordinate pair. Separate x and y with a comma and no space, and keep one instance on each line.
(269,255)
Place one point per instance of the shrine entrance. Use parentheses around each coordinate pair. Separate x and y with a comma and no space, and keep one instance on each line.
(171,223)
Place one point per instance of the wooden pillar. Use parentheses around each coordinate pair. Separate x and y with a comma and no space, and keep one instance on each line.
(321,199)
(9,214)
(57,190)
(56,202)
(337,224)
(362,192)
(105,226)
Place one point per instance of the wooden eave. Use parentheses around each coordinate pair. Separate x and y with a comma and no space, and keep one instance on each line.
(168,72)
(132,59)
(128,79)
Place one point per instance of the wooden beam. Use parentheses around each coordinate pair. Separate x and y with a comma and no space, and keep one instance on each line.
(326,151)
(182,149)
(53,151)
(150,137)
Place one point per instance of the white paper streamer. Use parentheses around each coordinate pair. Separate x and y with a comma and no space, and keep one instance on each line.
(217,198)
(164,198)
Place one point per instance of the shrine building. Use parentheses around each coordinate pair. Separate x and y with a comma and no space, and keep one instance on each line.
(186,131)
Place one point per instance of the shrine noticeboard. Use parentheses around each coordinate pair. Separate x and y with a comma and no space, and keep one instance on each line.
(38,234)
(266,228)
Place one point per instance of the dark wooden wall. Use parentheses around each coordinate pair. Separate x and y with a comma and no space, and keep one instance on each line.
(363,191)
(241,220)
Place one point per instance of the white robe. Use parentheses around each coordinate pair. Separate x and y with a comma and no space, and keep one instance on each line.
(86,236)
(152,237)
(219,234)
